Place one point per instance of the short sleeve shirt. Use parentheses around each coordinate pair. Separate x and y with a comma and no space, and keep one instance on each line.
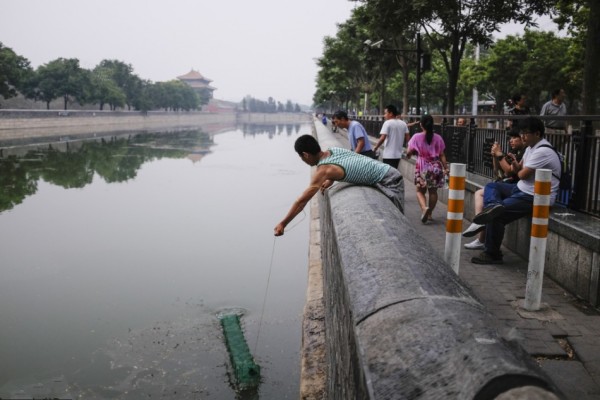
(395,130)
(355,132)
(537,157)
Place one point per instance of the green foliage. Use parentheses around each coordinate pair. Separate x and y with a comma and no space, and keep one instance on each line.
(14,70)
(58,78)
(174,95)
(117,160)
(529,64)
(448,25)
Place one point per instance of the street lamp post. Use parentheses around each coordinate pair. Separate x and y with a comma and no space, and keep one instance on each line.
(419,60)
(418,50)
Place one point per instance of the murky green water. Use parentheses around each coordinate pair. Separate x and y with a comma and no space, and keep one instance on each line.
(117,254)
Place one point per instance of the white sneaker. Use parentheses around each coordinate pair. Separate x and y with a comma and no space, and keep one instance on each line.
(473,230)
(475,245)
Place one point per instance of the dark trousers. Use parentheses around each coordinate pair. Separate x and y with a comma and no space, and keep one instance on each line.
(369,153)
(516,205)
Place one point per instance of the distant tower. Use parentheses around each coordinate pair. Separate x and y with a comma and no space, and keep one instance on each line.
(199,83)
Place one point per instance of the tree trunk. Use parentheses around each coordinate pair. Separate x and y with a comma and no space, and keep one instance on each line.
(592,60)
(47,105)
(66,98)
(405,86)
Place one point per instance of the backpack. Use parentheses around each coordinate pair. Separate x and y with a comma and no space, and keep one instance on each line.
(566,177)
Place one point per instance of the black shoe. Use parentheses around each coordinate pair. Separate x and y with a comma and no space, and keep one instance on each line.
(486,258)
(488,214)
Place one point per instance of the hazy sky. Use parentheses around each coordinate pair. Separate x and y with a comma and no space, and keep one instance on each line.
(261,47)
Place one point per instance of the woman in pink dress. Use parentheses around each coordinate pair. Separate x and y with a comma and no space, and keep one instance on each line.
(431,165)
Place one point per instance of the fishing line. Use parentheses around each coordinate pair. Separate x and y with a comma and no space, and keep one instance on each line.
(262,313)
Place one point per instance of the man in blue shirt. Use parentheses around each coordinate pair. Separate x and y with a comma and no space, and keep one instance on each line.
(357,135)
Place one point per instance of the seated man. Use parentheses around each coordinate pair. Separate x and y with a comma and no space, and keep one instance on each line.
(502,163)
(337,164)
(507,202)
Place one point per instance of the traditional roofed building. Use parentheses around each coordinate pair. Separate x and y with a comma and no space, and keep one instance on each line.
(199,83)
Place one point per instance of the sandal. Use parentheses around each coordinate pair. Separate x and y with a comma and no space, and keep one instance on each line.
(425,215)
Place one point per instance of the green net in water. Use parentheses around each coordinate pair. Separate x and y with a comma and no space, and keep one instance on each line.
(247,372)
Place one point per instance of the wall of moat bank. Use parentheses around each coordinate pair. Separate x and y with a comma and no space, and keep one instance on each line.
(27,124)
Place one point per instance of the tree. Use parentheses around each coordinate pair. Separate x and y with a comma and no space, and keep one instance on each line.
(346,70)
(14,70)
(123,77)
(583,21)
(104,90)
(59,78)
(527,64)
(393,22)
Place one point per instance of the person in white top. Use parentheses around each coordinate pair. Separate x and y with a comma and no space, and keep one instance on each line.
(394,133)
(507,202)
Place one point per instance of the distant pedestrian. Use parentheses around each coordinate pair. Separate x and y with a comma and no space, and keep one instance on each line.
(555,106)
(519,107)
(431,166)
(394,133)
(357,135)
(337,164)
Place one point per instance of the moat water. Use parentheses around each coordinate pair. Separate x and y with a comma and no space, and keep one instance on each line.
(117,254)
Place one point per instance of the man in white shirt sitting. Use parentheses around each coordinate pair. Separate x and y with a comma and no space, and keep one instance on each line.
(507,202)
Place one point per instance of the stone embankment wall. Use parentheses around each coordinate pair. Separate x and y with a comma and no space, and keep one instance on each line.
(27,124)
(399,323)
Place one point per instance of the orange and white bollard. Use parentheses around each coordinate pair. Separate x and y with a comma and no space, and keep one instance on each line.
(539,234)
(456,208)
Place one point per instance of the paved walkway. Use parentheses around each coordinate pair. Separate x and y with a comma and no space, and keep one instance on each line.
(564,339)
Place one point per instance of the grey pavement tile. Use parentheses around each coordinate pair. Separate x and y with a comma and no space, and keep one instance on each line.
(541,336)
(593,367)
(572,378)
(496,286)
(585,330)
(545,349)
(554,329)
(568,327)
(587,350)
(529,324)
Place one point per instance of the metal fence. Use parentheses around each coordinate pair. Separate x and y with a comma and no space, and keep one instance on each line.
(470,145)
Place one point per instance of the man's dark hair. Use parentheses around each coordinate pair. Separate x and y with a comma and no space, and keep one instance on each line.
(532,124)
(555,93)
(307,144)
(517,97)
(340,114)
(392,109)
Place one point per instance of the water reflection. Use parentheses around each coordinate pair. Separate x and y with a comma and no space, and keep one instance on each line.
(73,164)
(118,253)
(270,129)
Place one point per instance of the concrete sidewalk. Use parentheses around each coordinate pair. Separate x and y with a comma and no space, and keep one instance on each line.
(564,338)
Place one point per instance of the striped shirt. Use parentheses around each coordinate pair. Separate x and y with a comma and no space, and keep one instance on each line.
(357,168)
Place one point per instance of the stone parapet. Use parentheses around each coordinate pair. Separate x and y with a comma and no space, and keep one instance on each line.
(399,323)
